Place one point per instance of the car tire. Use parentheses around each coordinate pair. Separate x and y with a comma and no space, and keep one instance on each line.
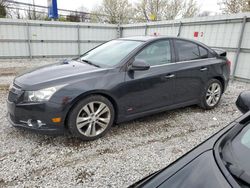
(211,95)
(91,117)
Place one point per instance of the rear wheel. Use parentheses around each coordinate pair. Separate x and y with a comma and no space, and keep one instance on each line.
(91,118)
(212,94)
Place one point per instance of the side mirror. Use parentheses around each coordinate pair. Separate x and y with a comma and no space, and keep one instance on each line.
(243,102)
(139,65)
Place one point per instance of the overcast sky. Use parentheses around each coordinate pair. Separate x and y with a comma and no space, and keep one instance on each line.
(205,5)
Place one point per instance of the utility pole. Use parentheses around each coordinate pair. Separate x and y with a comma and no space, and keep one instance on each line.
(34,10)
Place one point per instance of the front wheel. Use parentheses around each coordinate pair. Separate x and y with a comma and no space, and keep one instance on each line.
(91,118)
(212,94)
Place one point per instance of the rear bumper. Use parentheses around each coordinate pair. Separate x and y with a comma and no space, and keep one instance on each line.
(35,117)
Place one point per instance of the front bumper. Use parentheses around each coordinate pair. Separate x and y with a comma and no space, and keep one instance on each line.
(36,117)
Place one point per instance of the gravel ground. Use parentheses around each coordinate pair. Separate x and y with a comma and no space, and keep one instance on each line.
(21,63)
(10,67)
(129,152)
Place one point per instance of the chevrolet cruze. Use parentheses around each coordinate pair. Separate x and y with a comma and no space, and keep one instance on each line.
(118,81)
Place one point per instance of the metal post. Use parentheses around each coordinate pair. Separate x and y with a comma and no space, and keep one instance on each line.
(239,46)
(146,30)
(119,34)
(28,38)
(179,31)
(78,40)
(119,29)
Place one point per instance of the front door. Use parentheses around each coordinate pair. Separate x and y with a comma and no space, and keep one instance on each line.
(153,88)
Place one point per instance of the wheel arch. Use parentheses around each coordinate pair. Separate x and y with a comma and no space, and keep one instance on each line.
(84,95)
(222,81)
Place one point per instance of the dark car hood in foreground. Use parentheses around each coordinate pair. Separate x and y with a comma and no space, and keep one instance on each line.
(197,168)
(201,172)
(55,72)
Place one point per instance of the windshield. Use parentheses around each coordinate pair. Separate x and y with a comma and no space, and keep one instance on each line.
(236,155)
(241,148)
(111,53)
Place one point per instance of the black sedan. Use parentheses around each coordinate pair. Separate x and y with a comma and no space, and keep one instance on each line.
(221,161)
(118,81)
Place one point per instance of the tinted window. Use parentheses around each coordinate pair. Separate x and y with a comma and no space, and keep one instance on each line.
(111,53)
(187,50)
(156,54)
(203,52)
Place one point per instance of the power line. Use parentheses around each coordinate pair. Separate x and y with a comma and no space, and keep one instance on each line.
(61,10)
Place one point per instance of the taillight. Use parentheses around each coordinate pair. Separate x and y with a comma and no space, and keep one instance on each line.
(229,63)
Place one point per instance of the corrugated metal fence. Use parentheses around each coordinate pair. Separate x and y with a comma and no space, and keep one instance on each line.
(20,38)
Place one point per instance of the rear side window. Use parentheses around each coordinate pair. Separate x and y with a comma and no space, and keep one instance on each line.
(187,50)
(203,52)
(190,51)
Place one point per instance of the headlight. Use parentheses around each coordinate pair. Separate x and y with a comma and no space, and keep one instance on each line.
(40,95)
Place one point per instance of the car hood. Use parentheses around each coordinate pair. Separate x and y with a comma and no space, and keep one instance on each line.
(201,172)
(66,71)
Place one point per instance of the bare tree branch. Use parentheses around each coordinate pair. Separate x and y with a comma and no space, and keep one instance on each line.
(234,6)
(166,9)
(113,11)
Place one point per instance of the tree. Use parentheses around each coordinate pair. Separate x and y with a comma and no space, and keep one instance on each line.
(83,15)
(73,17)
(112,11)
(153,10)
(234,6)
(190,9)
(30,15)
(3,12)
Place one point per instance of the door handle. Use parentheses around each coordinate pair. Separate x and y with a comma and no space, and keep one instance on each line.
(169,76)
(203,69)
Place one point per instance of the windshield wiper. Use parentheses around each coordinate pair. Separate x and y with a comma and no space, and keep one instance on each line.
(90,63)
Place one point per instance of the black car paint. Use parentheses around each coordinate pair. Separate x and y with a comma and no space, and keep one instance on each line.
(200,167)
(121,86)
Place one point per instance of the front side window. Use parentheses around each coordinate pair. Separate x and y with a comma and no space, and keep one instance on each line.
(111,53)
(157,53)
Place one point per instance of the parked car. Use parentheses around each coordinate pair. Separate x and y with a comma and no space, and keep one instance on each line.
(220,161)
(118,81)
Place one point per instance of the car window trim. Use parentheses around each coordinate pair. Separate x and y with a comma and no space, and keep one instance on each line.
(177,62)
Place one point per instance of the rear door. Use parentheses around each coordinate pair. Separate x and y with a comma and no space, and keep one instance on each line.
(192,71)
(153,88)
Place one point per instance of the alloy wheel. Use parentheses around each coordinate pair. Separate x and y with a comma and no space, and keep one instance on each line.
(93,119)
(213,94)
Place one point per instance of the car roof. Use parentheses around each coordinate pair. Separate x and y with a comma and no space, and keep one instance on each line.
(143,38)
(153,37)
